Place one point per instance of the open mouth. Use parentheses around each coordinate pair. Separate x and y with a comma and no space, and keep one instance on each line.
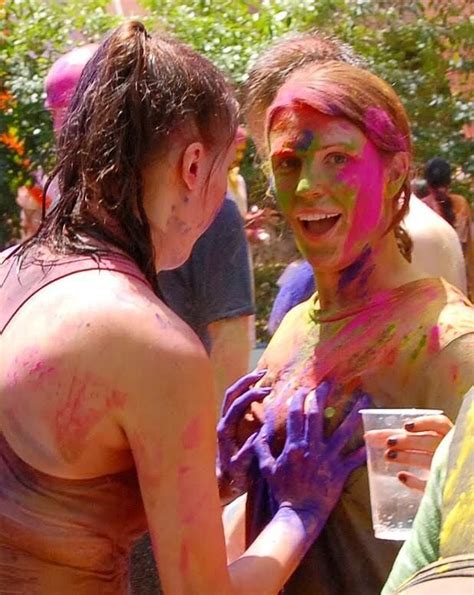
(317,224)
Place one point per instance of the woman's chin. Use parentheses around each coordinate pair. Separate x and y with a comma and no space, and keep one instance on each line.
(330,261)
(323,263)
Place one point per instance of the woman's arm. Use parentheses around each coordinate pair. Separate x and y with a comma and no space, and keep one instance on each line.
(169,421)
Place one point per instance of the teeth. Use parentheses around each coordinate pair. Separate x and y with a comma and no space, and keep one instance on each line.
(316,217)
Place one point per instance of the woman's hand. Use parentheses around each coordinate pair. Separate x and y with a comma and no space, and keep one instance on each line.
(234,459)
(310,473)
(416,446)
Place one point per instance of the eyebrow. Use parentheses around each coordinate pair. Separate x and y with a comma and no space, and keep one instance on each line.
(286,152)
(292,149)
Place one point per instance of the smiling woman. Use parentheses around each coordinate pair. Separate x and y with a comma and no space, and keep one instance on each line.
(338,142)
(339,161)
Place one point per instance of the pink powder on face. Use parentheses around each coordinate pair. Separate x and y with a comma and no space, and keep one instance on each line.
(366,176)
(192,434)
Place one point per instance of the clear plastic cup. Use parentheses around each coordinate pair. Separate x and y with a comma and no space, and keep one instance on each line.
(393,505)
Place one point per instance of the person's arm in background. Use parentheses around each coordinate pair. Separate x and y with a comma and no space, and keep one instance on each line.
(297,284)
(231,343)
(224,296)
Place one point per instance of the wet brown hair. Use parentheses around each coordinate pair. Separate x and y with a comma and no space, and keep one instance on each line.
(136,97)
(334,64)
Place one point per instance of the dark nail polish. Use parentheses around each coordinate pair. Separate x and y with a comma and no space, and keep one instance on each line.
(391,441)
(402,477)
(392,454)
(410,425)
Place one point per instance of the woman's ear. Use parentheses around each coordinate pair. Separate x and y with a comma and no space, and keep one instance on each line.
(192,165)
(397,172)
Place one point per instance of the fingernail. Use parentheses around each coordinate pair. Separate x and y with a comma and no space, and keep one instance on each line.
(391,441)
(392,454)
(410,425)
(402,477)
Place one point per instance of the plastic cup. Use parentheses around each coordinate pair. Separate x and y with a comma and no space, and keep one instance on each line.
(393,505)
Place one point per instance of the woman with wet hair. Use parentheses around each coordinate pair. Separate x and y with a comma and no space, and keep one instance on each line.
(337,143)
(106,397)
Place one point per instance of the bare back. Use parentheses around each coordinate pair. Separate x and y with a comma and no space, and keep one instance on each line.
(70,501)
(102,387)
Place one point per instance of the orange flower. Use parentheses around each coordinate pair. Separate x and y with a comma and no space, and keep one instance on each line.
(13,142)
(6,100)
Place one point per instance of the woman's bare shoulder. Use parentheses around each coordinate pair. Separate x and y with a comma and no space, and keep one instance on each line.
(457,315)
(103,316)
(296,325)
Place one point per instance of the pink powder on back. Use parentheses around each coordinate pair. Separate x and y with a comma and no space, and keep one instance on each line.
(433,340)
(184,559)
(192,434)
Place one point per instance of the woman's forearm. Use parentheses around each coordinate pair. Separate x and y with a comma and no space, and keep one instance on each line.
(271,559)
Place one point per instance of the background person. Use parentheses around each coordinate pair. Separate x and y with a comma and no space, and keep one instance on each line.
(454,208)
(236,186)
(30,199)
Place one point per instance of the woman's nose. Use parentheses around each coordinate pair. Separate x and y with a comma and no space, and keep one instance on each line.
(309,186)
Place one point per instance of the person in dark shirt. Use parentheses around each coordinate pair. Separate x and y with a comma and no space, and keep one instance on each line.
(213,293)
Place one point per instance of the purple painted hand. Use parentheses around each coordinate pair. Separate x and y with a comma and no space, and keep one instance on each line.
(234,459)
(310,473)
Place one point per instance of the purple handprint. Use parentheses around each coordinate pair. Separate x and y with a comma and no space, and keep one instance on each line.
(234,459)
(309,474)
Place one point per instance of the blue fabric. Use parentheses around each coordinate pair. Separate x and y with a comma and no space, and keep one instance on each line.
(215,283)
(297,284)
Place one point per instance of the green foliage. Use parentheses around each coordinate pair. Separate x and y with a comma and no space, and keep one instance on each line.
(33,34)
(416,46)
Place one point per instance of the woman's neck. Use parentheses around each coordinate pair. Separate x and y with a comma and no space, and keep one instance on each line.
(379,268)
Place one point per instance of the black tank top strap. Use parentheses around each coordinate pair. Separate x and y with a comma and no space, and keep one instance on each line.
(18,283)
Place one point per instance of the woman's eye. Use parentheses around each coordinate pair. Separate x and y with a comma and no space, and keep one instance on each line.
(287,164)
(336,159)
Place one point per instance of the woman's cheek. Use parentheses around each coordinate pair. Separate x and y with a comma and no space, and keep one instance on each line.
(283,196)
